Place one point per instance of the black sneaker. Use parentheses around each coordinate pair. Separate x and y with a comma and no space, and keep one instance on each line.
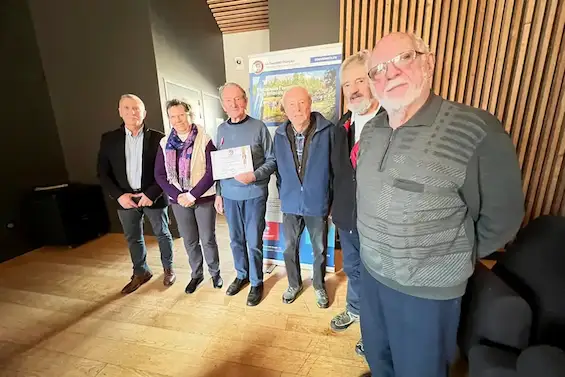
(255,295)
(194,282)
(217,281)
(236,286)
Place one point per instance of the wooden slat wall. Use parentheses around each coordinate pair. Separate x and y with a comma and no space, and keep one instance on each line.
(505,56)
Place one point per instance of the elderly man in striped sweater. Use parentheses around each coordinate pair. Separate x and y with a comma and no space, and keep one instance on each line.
(438,187)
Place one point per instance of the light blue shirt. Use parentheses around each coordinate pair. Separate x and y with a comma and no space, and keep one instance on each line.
(134,158)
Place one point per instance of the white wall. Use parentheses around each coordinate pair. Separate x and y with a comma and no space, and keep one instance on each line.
(241,45)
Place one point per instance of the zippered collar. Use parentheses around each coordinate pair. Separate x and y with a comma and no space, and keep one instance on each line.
(425,116)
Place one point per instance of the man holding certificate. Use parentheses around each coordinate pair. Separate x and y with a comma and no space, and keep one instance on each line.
(302,151)
(243,166)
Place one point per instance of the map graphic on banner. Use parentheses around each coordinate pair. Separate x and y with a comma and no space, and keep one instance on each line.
(317,69)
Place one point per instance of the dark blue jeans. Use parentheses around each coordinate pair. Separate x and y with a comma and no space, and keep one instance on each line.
(349,240)
(407,336)
(246,222)
(132,223)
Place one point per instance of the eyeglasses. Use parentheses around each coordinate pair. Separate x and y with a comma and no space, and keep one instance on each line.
(401,60)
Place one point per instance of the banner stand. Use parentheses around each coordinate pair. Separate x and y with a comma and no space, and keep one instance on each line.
(317,69)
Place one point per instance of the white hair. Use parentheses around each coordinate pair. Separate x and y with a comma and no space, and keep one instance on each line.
(228,84)
(419,43)
(414,92)
(291,88)
(361,58)
(131,96)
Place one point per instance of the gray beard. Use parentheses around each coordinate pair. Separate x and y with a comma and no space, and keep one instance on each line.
(401,104)
(362,107)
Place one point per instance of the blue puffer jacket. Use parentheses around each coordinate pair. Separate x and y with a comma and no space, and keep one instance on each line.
(312,197)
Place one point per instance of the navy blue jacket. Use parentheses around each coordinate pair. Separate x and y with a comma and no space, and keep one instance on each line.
(312,196)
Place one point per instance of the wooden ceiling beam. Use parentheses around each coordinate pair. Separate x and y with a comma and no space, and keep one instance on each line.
(235,16)
(218,1)
(245,3)
(242,20)
(241,11)
(222,16)
(246,8)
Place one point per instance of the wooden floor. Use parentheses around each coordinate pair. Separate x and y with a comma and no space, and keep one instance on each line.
(63,316)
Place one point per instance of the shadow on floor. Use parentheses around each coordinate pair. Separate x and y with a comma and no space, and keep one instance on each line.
(23,348)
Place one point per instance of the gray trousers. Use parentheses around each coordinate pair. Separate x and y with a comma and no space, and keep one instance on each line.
(198,223)
(293,226)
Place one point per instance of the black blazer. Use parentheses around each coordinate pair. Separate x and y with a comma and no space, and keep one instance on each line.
(112,165)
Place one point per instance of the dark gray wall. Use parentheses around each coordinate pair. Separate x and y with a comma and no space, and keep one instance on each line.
(189,50)
(30,150)
(93,51)
(301,23)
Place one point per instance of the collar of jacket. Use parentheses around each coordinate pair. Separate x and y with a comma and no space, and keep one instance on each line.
(320,122)
(344,118)
(143,126)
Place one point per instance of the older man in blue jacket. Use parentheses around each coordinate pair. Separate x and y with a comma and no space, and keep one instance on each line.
(302,148)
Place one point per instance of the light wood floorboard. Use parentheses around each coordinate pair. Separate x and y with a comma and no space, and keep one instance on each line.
(63,316)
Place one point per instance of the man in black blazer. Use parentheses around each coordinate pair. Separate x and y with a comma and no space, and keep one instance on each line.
(126,163)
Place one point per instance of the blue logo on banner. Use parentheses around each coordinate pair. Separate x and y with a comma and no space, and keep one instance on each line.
(326,58)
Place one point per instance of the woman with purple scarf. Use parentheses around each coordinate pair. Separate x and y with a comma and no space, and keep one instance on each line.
(183,169)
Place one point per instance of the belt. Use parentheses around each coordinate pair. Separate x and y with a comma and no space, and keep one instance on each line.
(136,191)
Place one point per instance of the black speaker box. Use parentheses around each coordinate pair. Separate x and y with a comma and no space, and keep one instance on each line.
(66,216)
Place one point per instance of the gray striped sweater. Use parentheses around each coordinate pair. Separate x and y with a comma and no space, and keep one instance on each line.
(434,195)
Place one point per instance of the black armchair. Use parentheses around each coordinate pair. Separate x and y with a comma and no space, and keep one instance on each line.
(513,316)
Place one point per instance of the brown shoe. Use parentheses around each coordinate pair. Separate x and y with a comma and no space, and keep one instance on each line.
(169,278)
(136,282)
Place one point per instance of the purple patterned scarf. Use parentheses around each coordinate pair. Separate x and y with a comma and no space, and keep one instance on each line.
(176,145)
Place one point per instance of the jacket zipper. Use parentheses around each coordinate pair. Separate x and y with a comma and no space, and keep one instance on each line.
(351,133)
(385,155)
(305,162)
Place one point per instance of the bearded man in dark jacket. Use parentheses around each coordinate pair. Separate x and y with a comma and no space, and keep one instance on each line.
(362,108)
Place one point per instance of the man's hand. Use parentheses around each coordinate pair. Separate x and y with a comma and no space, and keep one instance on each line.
(219,204)
(144,201)
(245,178)
(126,201)
(186,199)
